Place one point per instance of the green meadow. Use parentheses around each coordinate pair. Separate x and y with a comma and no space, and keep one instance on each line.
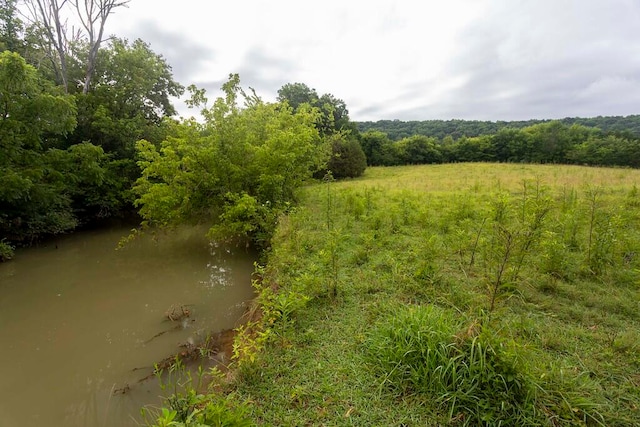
(459,294)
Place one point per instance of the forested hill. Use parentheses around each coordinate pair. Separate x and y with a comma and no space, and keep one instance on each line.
(397,129)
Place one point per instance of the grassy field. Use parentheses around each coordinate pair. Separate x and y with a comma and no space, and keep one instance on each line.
(464,294)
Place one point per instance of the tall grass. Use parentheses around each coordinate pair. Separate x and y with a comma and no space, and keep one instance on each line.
(475,377)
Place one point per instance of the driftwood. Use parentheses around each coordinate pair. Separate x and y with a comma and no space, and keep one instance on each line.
(217,347)
(175,328)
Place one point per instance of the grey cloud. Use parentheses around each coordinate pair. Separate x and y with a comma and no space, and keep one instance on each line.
(264,72)
(258,70)
(185,56)
(368,113)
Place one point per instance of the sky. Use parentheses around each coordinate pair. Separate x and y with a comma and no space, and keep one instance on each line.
(407,59)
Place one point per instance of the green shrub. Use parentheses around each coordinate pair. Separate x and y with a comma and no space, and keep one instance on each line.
(347,158)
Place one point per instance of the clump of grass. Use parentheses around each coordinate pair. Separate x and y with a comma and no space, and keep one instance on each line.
(195,401)
(472,375)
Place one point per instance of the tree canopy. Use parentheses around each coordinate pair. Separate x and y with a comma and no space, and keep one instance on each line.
(345,156)
(67,147)
(38,184)
(398,129)
(548,142)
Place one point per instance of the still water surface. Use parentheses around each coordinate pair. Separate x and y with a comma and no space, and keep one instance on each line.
(77,321)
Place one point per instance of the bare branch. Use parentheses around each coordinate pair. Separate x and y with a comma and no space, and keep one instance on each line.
(93,14)
(46,15)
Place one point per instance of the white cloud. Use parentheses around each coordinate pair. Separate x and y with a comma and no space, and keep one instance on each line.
(487,59)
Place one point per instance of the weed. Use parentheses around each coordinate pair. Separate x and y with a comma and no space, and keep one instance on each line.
(6,251)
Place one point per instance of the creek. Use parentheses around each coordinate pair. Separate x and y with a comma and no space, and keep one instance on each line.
(80,320)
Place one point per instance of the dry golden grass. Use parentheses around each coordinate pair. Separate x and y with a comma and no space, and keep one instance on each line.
(483,176)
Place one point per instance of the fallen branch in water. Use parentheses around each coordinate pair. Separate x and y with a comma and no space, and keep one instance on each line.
(122,390)
(175,328)
(216,347)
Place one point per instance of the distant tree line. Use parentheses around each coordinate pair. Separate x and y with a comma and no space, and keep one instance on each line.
(397,129)
(548,142)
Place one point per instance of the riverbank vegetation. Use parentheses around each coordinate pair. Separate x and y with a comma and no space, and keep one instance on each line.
(472,294)
(70,117)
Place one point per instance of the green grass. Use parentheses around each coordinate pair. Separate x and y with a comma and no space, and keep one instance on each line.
(451,295)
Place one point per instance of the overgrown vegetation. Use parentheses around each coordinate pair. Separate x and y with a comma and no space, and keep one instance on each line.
(67,151)
(474,294)
(238,171)
(471,294)
(189,405)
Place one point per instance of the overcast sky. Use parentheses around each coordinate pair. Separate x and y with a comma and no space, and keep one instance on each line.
(408,60)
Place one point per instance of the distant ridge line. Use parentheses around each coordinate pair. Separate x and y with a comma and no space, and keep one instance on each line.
(457,128)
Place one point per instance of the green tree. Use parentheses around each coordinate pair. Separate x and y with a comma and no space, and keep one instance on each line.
(347,159)
(334,116)
(10,27)
(130,98)
(477,149)
(418,150)
(38,184)
(297,94)
(549,142)
(375,145)
(607,150)
(236,171)
(511,145)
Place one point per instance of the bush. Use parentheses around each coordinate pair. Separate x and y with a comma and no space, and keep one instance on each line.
(347,158)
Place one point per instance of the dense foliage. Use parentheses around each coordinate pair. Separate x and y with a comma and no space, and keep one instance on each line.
(67,153)
(339,133)
(347,160)
(238,170)
(549,142)
(38,184)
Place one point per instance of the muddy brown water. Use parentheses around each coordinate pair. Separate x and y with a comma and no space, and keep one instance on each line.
(77,321)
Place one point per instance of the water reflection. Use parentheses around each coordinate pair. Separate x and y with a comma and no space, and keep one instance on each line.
(220,266)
